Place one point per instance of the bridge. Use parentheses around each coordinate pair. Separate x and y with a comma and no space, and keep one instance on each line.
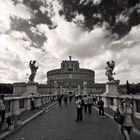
(51,122)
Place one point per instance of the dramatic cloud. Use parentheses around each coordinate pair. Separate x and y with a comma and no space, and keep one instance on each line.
(116,16)
(8,10)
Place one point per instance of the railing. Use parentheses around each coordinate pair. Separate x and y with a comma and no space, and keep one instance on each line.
(113,102)
(16,105)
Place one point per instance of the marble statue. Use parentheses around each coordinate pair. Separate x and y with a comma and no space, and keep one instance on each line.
(109,70)
(78,89)
(33,69)
(84,85)
(55,84)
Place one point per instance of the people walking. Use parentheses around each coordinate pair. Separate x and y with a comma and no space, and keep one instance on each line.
(100,104)
(79,108)
(90,103)
(85,103)
(127,110)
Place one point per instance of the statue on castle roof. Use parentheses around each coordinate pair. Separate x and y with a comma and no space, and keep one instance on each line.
(109,70)
(55,84)
(33,69)
(84,84)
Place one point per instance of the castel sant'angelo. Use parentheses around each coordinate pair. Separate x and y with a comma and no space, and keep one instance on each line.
(70,78)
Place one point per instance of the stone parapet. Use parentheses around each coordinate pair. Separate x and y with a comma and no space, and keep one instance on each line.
(25,88)
(111,88)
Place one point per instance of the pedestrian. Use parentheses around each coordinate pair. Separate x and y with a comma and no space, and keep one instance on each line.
(59,99)
(94,100)
(85,103)
(79,108)
(65,99)
(100,104)
(2,110)
(90,103)
(127,110)
(70,98)
(32,102)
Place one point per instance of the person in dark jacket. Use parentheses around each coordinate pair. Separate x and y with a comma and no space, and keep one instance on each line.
(59,99)
(90,103)
(65,99)
(101,106)
(79,107)
(32,102)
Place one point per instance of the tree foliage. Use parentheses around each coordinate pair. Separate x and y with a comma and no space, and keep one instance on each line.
(6,88)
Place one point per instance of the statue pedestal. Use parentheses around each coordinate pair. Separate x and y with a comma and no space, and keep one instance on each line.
(31,88)
(111,91)
(19,88)
(25,88)
(111,88)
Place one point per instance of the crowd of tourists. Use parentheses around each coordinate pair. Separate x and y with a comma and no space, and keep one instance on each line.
(124,114)
(64,98)
(85,103)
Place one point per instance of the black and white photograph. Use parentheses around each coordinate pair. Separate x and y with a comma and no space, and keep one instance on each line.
(69,69)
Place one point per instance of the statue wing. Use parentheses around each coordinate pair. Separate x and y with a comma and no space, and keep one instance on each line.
(113,65)
(30,64)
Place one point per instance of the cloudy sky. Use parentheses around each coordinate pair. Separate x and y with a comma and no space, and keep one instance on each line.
(36,31)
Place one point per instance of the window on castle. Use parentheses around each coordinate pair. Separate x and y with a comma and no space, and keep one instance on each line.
(70,69)
(111,101)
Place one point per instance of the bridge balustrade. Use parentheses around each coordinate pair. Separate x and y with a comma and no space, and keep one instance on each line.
(113,101)
(16,105)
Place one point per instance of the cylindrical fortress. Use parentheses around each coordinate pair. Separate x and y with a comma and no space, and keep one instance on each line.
(70,76)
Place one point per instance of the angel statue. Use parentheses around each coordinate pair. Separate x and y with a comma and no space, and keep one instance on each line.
(55,84)
(78,89)
(109,70)
(33,70)
(85,85)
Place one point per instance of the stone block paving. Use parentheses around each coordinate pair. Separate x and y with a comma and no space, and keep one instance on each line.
(59,124)
(25,116)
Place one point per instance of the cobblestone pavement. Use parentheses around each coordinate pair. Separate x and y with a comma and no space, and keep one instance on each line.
(59,124)
(24,116)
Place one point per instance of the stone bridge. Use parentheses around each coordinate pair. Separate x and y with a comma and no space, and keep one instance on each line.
(58,123)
